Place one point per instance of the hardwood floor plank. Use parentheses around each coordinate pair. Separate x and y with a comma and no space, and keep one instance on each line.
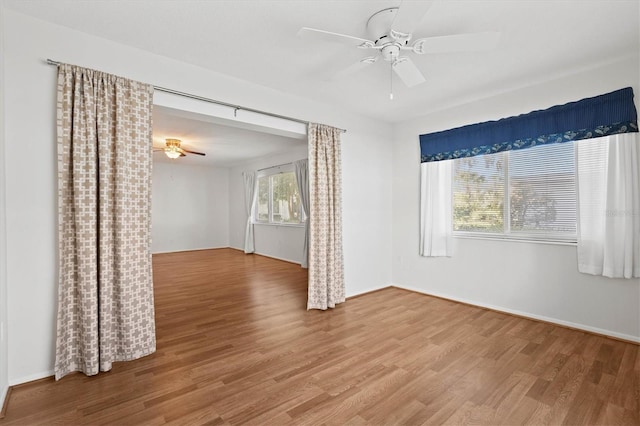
(444,407)
(528,412)
(236,345)
(344,405)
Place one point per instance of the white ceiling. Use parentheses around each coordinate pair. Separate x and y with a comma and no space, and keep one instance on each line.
(256,41)
(224,146)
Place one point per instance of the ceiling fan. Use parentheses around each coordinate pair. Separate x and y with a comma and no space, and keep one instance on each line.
(173,149)
(391,36)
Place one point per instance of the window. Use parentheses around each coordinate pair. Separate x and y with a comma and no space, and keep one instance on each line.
(524,194)
(278,200)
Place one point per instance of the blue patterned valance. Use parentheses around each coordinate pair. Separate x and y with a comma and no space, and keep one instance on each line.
(588,118)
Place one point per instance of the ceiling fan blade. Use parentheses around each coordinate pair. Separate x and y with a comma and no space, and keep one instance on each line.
(193,152)
(408,72)
(354,68)
(457,43)
(158,149)
(323,35)
(409,15)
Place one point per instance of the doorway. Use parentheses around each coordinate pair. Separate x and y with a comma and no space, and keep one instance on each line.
(198,201)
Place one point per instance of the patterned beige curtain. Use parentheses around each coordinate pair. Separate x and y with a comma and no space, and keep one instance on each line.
(105,287)
(326,270)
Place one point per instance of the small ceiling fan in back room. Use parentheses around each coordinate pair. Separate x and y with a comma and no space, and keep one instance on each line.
(392,40)
(173,149)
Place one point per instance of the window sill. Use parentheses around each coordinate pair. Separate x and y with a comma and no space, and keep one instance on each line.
(284,225)
(514,239)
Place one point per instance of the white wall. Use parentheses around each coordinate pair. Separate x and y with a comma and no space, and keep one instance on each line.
(281,242)
(190,207)
(30,88)
(4,381)
(538,280)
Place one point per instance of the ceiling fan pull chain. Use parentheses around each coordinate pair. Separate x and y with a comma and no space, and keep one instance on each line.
(391,81)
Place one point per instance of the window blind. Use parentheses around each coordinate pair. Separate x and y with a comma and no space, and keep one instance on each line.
(542,191)
(528,194)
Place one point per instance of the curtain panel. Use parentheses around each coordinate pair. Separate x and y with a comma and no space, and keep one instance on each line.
(603,115)
(105,283)
(302,178)
(249,179)
(436,209)
(608,178)
(326,266)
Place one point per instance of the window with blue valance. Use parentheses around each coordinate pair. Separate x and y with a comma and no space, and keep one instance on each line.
(595,117)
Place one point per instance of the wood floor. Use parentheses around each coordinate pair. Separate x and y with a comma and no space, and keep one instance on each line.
(236,346)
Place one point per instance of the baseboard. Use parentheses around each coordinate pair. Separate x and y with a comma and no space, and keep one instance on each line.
(186,250)
(232,248)
(297,262)
(277,258)
(4,397)
(567,324)
(31,378)
(364,293)
(26,382)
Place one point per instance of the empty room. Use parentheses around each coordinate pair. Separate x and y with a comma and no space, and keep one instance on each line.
(319,212)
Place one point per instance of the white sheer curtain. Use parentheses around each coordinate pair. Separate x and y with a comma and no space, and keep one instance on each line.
(608,180)
(435,208)
(249,201)
(302,178)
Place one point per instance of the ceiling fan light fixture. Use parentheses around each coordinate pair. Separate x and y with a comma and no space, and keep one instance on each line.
(172,153)
(173,148)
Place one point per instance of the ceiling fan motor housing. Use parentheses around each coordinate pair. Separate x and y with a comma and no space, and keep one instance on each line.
(390,52)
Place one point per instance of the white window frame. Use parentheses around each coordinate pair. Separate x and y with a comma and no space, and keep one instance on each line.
(272,171)
(506,234)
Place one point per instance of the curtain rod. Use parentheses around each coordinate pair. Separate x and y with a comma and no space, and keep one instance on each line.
(213,101)
(277,166)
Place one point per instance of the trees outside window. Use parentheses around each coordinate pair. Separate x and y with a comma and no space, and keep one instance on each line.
(517,194)
(278,199)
